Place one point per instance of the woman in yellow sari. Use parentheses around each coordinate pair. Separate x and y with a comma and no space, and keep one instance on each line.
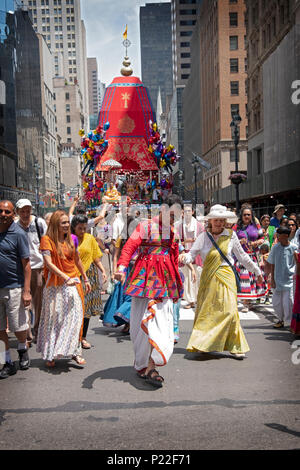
(217,325)
(90,255)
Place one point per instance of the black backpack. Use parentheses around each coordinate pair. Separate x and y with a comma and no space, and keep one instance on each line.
(38,228)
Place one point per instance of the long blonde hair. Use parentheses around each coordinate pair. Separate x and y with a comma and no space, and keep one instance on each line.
(53,232)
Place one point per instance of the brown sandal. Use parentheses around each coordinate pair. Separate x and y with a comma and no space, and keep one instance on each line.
(85,344)
(79,359)
(50,364)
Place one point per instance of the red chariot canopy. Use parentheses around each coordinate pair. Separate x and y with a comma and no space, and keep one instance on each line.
(127,107)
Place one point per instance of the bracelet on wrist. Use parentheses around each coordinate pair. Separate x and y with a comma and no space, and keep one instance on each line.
(86,280)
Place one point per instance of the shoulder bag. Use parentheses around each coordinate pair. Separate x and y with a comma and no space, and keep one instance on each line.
(236,274)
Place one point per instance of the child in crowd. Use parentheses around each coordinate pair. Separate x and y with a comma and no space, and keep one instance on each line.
(282,263)
(264,251)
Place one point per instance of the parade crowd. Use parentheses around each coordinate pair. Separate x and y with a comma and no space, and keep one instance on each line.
(54,272)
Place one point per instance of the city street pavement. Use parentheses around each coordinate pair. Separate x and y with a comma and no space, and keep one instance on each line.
(210,401)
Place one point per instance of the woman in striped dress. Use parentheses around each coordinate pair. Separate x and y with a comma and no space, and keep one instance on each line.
(251,236)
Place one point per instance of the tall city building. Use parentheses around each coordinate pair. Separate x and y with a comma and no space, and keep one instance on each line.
(183,17)
(192,119)
(156,50)
(94,91)
(273,38)
(51,160)
(223,74)
(21,119)
(59,21)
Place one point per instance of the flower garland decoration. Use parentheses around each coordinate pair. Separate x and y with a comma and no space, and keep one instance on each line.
(165,157)
(94,145)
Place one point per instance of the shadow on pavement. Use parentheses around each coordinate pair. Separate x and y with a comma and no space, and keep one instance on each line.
(124,374)
(61,366)
(280,427)
(112,333)
(209,356)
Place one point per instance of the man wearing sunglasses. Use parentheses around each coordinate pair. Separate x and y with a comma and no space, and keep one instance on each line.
(15,297)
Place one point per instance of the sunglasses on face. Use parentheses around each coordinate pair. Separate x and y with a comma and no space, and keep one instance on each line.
(291,225)
(6,211)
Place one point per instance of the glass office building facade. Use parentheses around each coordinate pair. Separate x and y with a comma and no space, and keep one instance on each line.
(156,50)
(21,142)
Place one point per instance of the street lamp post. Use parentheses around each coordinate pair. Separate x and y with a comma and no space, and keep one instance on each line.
(236,120)
(57,189)
(195,163)
(181,182)
(37,187)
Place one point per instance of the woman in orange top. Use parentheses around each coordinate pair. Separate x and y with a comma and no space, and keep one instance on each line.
(63,300)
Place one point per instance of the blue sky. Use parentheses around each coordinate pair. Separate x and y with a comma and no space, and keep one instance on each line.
(105,22)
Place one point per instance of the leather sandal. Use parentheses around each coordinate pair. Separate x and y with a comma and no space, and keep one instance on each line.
(85,344)
(154,378)
(79,359)
(141,373)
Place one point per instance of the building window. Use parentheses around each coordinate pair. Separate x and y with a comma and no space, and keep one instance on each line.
(234,43)
(185,66)
(68,108)
(232,1)
(67,96)
(184,76)
(234,65)
(234,109)
(186,33)
(184,44)
(233,19)
(185,55)
(187,22)
(187,12)
(68,130)
(68,118)
(258,157)
(234,88)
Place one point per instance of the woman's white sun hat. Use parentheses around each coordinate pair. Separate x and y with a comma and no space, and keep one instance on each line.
(221,212)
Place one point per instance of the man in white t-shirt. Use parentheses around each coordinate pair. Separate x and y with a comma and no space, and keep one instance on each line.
(35,227)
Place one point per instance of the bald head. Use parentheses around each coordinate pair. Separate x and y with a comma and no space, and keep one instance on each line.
(8,203)
(7,214)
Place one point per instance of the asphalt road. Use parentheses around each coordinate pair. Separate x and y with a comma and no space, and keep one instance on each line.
(207,402)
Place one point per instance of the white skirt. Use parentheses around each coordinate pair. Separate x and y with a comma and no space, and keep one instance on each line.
(151,331)
(60,323)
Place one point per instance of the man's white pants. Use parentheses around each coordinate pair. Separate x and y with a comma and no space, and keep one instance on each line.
(151,327)
(190,288)
(283,304)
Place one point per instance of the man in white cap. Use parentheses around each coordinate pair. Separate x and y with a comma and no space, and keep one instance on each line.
(35,227)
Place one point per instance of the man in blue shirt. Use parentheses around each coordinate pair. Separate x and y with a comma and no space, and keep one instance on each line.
(282,263)
(15,297)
